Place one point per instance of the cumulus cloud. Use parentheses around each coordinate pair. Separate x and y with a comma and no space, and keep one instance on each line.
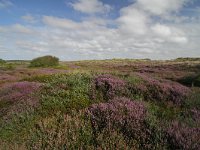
(133,20)
(162,30)
(90,6)
(171,34)
(161,7)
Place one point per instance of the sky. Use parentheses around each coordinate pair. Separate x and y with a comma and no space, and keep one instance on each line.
(99,29)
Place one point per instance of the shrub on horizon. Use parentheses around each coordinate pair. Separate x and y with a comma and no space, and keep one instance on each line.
(2,61)
(45,61)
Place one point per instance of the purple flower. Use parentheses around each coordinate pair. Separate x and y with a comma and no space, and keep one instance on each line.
(161,90)
(195,115)
(108,86)
(18,90)
(19,97)
(182,137)
(125,115)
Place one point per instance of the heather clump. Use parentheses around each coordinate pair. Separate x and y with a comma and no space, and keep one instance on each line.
(107,87)
(18,90)
(17,98)
(161,90)
(181,136)
(61,131)
(195,115)
(7,78)
(125,115)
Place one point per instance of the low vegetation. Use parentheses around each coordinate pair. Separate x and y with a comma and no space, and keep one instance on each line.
(45,61)
(5,65)
(111,104)
(2,61)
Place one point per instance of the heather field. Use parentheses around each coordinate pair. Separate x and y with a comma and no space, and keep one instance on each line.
(100,104)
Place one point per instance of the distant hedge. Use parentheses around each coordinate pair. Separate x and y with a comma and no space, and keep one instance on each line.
(45,61)
(188,59)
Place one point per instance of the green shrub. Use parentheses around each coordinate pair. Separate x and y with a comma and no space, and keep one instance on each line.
(2,61)
(7,66)
(45,61)
(192,80)
(64,92)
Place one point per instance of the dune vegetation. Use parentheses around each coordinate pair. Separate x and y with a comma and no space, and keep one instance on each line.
(100,104)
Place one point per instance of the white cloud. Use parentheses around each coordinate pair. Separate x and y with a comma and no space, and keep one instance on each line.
(170,34)
(136,22)
(16,28)
(90,6)
(29,18)
(90,23)
(133,21)
(38,46)
(179,39)
(160,7)
(162,30)
(5,4)
(20,28)
(59,22)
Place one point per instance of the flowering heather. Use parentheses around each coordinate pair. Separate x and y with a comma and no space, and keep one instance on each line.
(161,90)
(18,90)
(117,111)
(109,86)
(195,115)
(182,137)
(125,115)
(7,78)
(17,98)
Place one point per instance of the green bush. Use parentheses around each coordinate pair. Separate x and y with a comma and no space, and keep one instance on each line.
(6,66)
(2,61)
(64,92)
(45,61)
(192,80)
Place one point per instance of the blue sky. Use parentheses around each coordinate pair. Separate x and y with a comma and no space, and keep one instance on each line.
(99,29)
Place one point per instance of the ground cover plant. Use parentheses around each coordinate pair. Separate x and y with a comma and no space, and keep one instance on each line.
(107,104)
